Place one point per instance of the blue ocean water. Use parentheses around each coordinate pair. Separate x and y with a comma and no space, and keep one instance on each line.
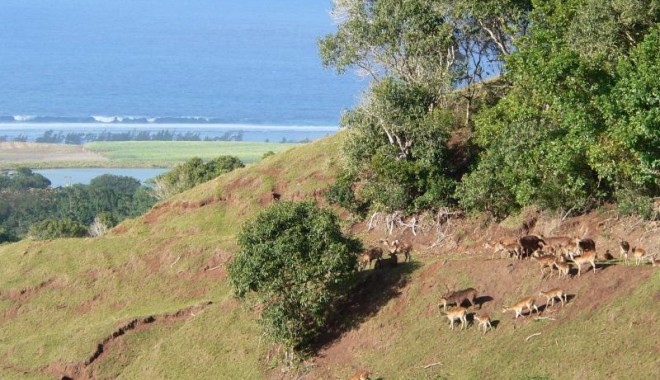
(249,62)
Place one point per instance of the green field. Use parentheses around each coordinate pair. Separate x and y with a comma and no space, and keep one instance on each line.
(128,154)
(168,153)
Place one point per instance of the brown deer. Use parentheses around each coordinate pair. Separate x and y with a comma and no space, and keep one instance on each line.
(624,249)
(556,244)
(397,247)
(545,261)
(510,246)
(390,262)
(460,313)
(368,256)
(586,257)
(639,254)
(551,294)
(484,321)
(562,267)
(519,307)
(531,243)
(458,297)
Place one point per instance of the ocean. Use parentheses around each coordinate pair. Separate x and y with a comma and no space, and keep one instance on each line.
(135,63)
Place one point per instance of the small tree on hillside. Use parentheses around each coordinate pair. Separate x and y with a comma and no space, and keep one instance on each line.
(294,260)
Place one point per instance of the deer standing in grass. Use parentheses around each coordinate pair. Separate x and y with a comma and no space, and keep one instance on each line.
(397,247)
(551,294)
(458,297)
(459,313)
(639,254)
(484,321)
(508,245)
(545,261)
(368,256)
(520,306)
(585,257)
(624,250)
(562,267)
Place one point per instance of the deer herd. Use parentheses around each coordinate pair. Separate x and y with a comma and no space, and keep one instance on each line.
(553,253)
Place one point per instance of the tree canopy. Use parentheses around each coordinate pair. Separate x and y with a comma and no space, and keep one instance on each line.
(572,120)
(295,261)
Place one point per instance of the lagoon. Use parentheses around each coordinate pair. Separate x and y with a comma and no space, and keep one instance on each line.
(72,176)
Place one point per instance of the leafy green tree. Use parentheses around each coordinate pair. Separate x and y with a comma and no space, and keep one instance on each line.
(55,229)
(23,179)
(294,260)
(556,138)
(191,173)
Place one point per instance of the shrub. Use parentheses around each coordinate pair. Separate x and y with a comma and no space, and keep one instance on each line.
(191,173)
(295,261)
(55,229)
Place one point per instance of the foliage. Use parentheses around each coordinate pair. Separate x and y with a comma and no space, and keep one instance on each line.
(578,123)
(23,179)
(630,202)
(114,198)
(193,172)
(55,229)
(294,260)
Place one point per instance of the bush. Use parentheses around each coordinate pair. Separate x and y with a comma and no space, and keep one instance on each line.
(55,229)
(294,260)
(630,202)
(191,173)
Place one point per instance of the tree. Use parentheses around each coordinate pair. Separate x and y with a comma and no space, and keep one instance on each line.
(294,260)
(55,229)
(23,179)
(579,121)
(191,173)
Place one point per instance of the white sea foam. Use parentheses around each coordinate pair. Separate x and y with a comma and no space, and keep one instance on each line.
(22,118)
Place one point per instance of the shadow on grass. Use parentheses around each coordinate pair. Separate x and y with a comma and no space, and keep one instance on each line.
(482,300)
(373,290)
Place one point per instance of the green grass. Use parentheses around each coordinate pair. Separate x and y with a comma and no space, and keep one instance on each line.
(169,153)
(155,265)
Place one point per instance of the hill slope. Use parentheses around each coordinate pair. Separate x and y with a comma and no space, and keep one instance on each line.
(150,299)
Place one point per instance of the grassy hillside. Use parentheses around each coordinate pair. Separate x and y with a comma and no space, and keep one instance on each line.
(150,299)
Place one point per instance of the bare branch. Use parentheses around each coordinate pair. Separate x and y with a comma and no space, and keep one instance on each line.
(531,336)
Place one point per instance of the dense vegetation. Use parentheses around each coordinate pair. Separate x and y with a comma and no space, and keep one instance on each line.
(29,207)
(572,121)
(191,173)
(295,261)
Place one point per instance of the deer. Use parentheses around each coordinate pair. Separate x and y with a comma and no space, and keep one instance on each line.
(585,257)
(368,256)
(639,254)
(390,262)
(624,249)
(460,313)
(562,267)
(545,261)
(519,307)
(458,297)
(484,321)
(361,375)
(556,244)
(397,247)
(510,246)
(551,294)
(531,243)
(586,245)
